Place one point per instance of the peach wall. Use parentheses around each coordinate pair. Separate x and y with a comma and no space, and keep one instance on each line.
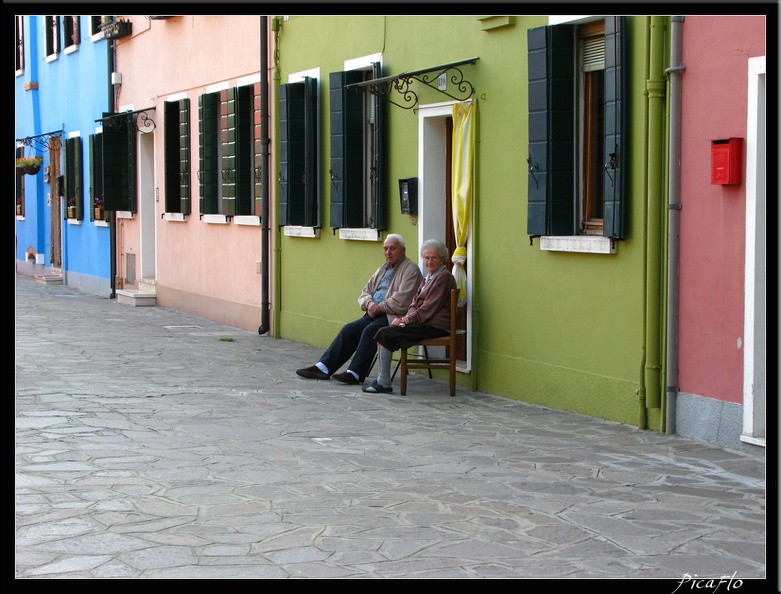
(714,94)
(215,264)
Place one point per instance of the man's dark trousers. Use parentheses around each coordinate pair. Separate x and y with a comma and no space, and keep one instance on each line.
(356,337)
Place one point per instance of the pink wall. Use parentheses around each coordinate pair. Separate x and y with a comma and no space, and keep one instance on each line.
(207,269)
(715,54)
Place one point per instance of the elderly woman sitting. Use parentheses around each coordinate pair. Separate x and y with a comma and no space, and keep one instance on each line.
(427,317)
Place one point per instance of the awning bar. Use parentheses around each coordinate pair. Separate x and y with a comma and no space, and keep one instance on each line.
(139,117)
(41,141)
(427,76)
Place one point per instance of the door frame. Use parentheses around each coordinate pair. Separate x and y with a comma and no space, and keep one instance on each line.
(432,156)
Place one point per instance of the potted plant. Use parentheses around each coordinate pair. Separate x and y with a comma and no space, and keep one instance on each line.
(72,207)
(29,165)
(97,205)
(19,207)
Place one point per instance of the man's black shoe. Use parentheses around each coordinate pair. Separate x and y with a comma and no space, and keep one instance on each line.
(346,378)
(312,373)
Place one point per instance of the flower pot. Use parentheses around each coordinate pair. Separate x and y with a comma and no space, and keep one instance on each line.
(71,212)
(19,209)
(32,169)
(19,170)
(98,213)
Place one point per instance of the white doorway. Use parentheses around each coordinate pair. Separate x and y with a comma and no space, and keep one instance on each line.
(147,196)
(755,307)
(434,137)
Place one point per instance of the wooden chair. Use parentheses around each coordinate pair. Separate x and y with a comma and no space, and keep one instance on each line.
(423,361)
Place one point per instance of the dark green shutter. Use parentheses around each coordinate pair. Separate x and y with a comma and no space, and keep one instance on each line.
(115,159)
(291,154)
(379,155)
(228,154)
(347,150)
(208,112)
(130,170)
(95,169)
(615,118)
(177,156)
(311,153)
(245,132)
(171,155)
(551,159)
(537,159)
(119,162)
(298,112)
(74,174)
(184,156)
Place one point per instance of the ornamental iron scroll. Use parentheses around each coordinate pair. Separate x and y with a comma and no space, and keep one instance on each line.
(127,120)
(401,84)
(42,142)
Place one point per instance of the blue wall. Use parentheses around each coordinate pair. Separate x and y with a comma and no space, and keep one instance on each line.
(73,92)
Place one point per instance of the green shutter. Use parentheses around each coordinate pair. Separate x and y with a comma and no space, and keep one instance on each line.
(96,168)
(537,158)
(130,169)
(379,155)
(171,155)
(551,159)
(184,156)
(208,112)
(73,174)
(114,166)
(346,172)
(245,132)
(291,157)
(78,176)
(228,155)
(615,118)
(311,154)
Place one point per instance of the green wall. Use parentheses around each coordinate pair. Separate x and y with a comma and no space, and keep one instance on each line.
(563,330)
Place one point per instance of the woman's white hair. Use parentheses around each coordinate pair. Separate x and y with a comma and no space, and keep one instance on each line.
(435,243)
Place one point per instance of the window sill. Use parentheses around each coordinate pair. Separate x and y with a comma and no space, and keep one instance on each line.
(100,223)
(174,216)
(247,220)
(74,221)
(216,219)
(581,244)
(360,234)
(296,231)
(125,214)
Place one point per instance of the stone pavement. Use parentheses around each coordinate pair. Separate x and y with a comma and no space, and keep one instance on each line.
(154,444)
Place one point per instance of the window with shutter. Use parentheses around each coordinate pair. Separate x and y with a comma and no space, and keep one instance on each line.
(96,174)
(357,136)
(119,162)
(208,148)
(73,182)
(299,199)
(52,35)
(176,148)
(576,140)
(227,143)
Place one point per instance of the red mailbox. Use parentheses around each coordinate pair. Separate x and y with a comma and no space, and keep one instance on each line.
(726,157)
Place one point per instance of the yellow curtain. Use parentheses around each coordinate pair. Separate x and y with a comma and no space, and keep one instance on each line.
(462,168)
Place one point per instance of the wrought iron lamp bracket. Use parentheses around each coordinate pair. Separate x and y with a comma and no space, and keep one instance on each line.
(401,84)
(42,142)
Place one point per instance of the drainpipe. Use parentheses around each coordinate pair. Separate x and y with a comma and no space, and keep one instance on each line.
(674,73)
(264,190)
(655,90)
(112,219)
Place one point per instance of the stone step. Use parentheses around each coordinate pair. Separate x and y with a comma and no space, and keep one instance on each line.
(49,279)
(136,298)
